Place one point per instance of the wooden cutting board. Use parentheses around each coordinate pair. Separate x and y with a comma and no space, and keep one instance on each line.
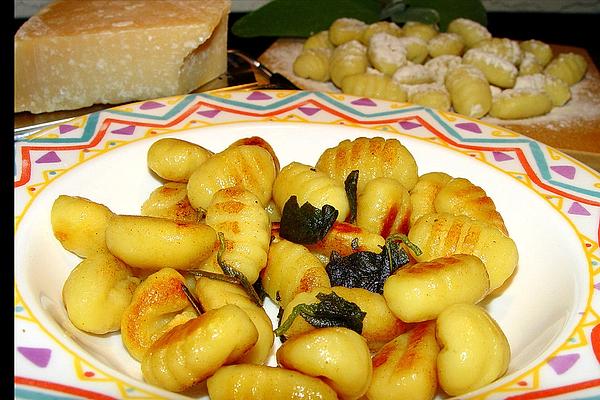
(573,128)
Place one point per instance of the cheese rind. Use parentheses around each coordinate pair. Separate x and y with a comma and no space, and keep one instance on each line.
(74,54)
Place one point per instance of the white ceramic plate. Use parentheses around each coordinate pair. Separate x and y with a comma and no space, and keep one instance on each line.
(550,203)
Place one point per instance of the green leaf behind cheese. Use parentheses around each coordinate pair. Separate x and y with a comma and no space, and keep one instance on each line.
(302,18)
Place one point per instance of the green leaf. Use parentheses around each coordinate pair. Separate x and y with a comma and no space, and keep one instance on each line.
(331,310)
(351,185)
(420,14)
(452,9)
(302,18)
(306,224)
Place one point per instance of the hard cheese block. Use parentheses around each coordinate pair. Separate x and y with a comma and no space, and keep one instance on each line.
(75,53)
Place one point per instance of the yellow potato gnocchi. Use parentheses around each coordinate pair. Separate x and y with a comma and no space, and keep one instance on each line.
(170,201)
(176,282)
(153,243)
(520,103)
(373,158)
(405,367)
(442,234)
(383,207)
(344,30)
(261,382)
(460,196)
(158,304)
(213,294)
(348,59)
(194,350)
(282,283)
(420,292)
(474,350)
(339,356)
(249,166)
(239,216)
(175,159)
(312,186)
(97,292)
(79,224)
(373,85)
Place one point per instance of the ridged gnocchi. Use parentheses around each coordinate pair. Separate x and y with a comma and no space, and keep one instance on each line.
(310,185)
(238,214)
(194,350)
(158,304)
(420,292)
(373,158)
(405,367)
(176,282)
(442,234)
(281,283)
(249,166)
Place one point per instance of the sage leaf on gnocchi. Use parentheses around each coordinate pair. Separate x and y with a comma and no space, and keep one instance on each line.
(351,186)
(366,269)
(305,224)
(331,310)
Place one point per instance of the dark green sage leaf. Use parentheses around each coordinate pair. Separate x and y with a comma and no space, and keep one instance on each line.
(351,185)
(331,310)
(420,14)
(302,18)
(306,224)
(452,9)
(366,269)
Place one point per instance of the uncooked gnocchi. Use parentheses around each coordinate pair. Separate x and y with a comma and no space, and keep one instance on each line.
(415,53)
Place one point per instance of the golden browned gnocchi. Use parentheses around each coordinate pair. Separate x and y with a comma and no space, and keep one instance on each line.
(239,216)
(158,304)
(383,207)
(282,283)
(79,224)
(261,382)
(460,196)
(339,356)
(405,367)
(191,352)
(420,292)
(442,234)
(97,292)
(170,201)
(153,242)
(214,294)
(474,350)
(249,166)
(373,158)
(345,238)
(380,325)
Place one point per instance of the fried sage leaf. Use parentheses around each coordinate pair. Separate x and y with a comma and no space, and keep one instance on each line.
(366,269)
(351,187)
(306,224)
(331,310)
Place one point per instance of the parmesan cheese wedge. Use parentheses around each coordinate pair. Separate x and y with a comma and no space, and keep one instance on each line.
(74,54)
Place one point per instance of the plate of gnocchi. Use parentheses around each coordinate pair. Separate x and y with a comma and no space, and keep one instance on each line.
(301,244)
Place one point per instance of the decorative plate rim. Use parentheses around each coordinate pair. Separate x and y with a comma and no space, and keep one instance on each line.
(570,187)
